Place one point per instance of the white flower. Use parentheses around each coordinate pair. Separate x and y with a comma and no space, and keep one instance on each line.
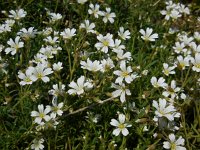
(52,40)
(174,144)
(41,115)
(121,55)
(26,78)
(121,125)
(175,14)
(56,108)
(47,51)
(14,45)
(94,9)
(55,17)
(121,91)
(91,66)
(107,64)
(124,73)
(183,62)
(68,33)
(89,27)
(168,70)
(58,89)
(184,9)
(5,28)
(186,40)
(124,34)
(47,31)
(81,1)
(39,58)
(41,72)
(26,34)
(195,47)
(78,88)
(117,47)
(17,14)
(163,109)
(10,22)
(197,36)
(146,35)
(171,90)
(166,13)
(158,83)
(105,42)
(108,16)
(37,144)
(179,47)
(57,66)
(196,63)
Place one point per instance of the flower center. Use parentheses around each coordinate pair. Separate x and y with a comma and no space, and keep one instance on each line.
(39,75)
(125,74)
(166,71)
(121,126)
(27,79)
(173,146)
(197,65)
(41,115)
(105,43)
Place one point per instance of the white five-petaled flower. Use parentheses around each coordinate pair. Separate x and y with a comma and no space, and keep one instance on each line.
(171,90)
(195,47)
(56,108)
(79,87)
(58,89)
(82,1)
(55,17)
(158,83)
(52,40)
(174,144)
(107,64)
(94,9)
(179,47)
(17,14)
(68,33)
(57,66)
(121,91)
(37,144)
(89,27)
(41,72)
(120,125)
(196,63)
(168,70)
(163,109)
(25,77)
(14,45)
(121,55)
(187,40)
(117,46)
(105,42)
(197,36)
(93,66)
(27,33)
(184,9)
(124,34)
(41,115)
(147,35)
(124,73)
(108,16)
(183,62)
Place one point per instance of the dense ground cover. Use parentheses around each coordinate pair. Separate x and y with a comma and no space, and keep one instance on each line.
(99,74)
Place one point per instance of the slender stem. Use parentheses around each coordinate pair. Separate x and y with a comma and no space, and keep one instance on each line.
(100,102)
(197,111)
